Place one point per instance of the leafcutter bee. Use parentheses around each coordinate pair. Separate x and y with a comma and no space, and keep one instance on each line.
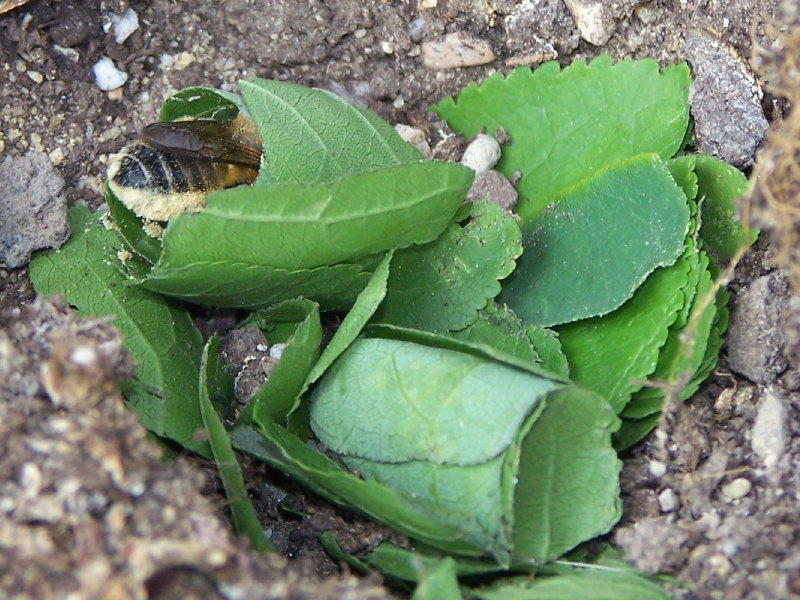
(174,165)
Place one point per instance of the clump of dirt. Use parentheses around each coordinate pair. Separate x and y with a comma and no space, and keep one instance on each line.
(90,510)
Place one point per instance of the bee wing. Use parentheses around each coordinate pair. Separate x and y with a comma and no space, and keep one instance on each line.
(204,139)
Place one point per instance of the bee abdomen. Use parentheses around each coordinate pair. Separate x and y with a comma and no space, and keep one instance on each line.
(142,167)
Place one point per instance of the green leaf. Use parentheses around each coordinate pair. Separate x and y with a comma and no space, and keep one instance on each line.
(244,515)
(584,584)
(159,335)
(682,169)
(399,563)
(200,103)
(587,254)
(312,136)
(357,317)
(438,582)
(131,228)
(673,362)
(441,286)
(720,185)
(614,354)
(481,349)
(277,396)
(241,286)
(568,489)
(567,124)
(276,446)
(394,401)
(276,235)
(500,328)
(438,425)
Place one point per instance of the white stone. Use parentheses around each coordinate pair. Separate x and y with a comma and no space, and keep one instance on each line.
(456,50)
(124,25)
(668,501)
(482,153)
(414,136)
(736,489)
(107,76)
(276,351)
(594,20)
(657,469)
(769,430)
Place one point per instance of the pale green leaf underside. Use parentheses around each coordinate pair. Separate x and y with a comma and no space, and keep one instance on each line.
(566,124)
(588,252)
(394,401)
(588,584)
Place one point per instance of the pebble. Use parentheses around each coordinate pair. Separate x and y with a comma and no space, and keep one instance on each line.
(769,430)
(725,99)
(33,213)
(594,20)
(668,501)
(182,60)
(456,50)
(657,469)
(755,337)
(414,136)
(107,76)
(482,153)
(736,489)
(124,25)
(493,186)
(35,76)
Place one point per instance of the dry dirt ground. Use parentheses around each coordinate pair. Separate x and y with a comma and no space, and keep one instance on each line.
(88,509)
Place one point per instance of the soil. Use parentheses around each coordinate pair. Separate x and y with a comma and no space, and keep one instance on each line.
(710,497)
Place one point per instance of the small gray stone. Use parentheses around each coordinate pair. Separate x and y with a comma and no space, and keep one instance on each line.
(495,188)
(769,430)
(725,99)
(33,212)
(755,338)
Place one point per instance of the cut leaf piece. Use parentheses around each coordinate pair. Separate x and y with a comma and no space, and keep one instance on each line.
(200,103)
(393,401)
(587,253)
(500,328)
(283,231)
(438,583)
(441,286)
(277,396)
(356,319)
(613,355)
(583,584)
(131,228)
(566,124)
(244,515)
(242,286)
(313,136)
(720,185)
(673,362)
(276,446)
(159,335)
(568,489)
